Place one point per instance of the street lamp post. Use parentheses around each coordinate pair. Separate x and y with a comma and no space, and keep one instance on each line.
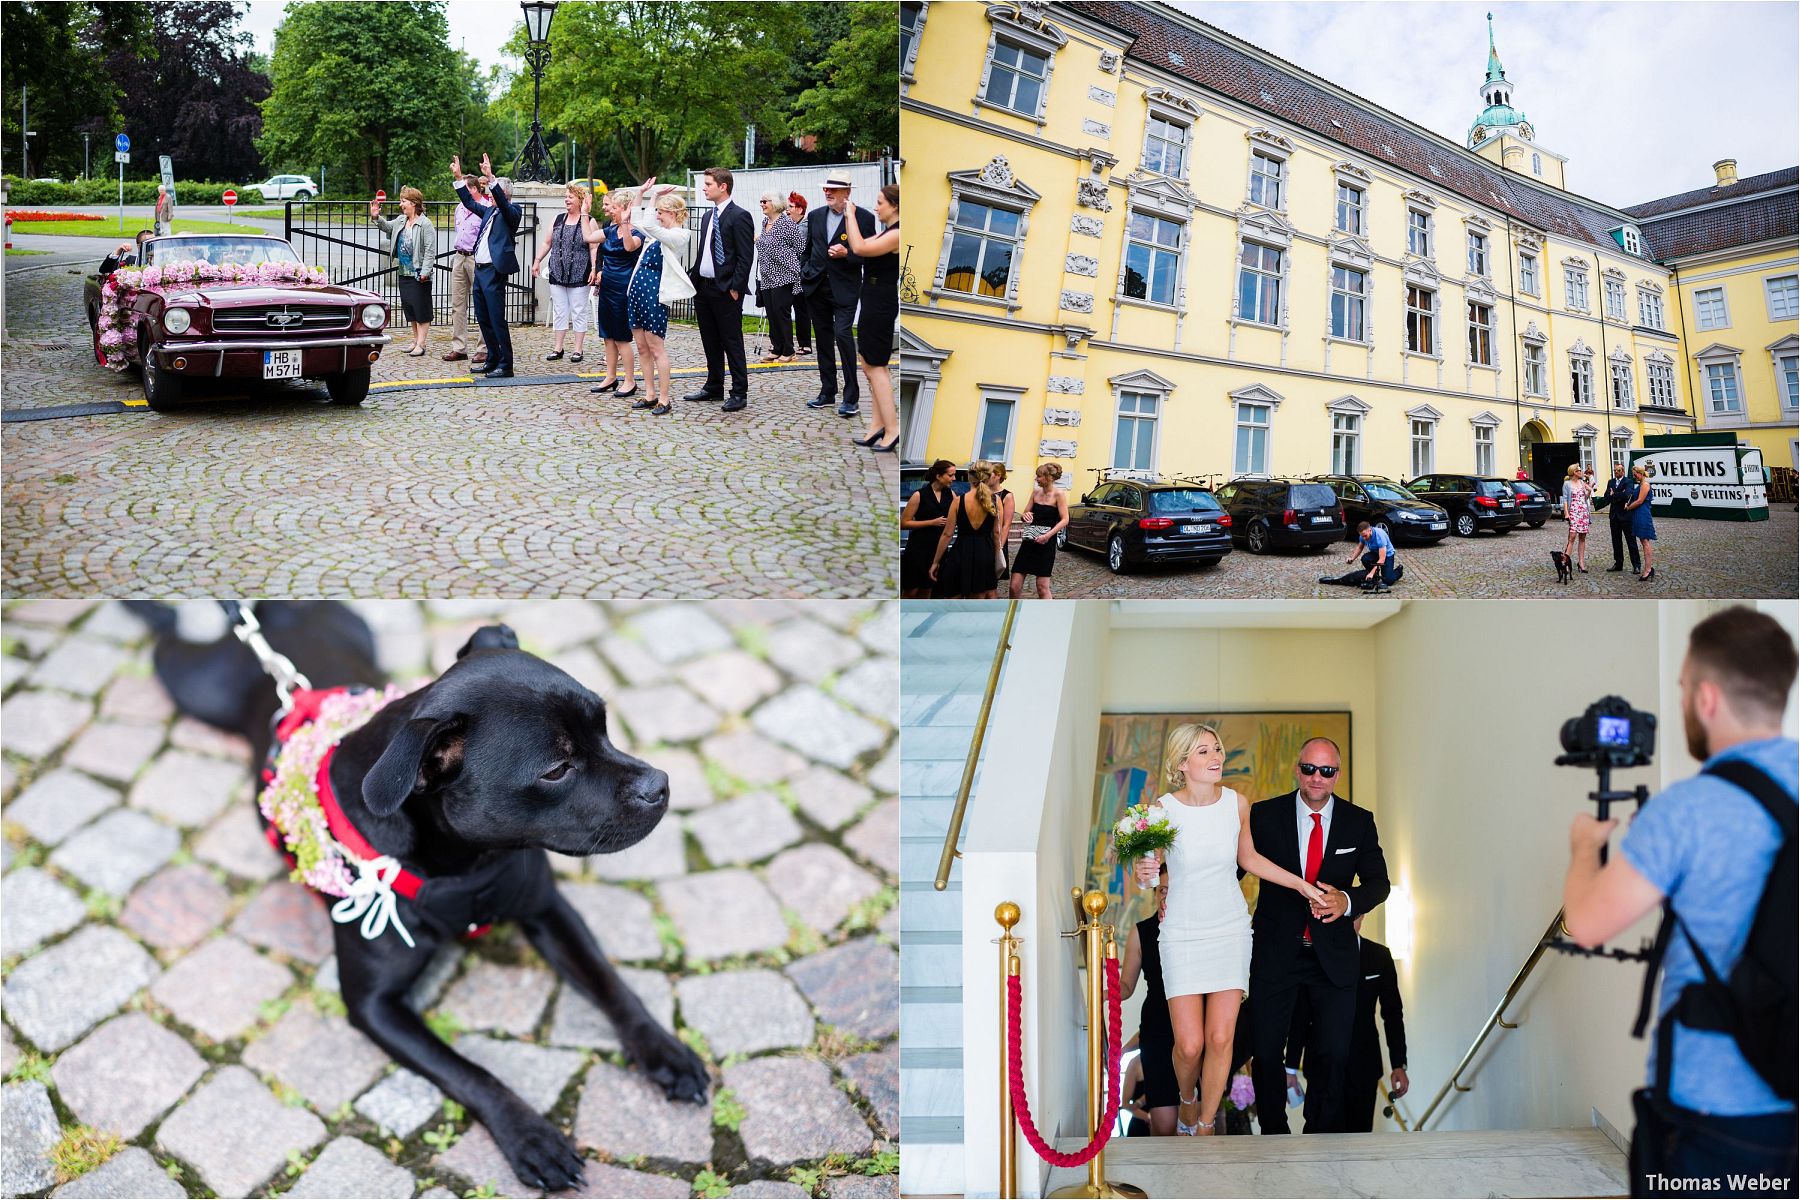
(533,164)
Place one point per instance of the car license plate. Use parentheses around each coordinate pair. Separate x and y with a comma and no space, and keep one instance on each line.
(1439,525)
(1193,530)
(1320,520)
(281,364)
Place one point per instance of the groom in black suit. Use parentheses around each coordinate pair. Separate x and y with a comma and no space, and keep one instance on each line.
(1299,947)
(721,276)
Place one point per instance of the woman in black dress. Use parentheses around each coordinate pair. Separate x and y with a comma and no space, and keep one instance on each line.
(1049,517)
(1005,499)
(966,570)
(880,312)
(927,512)
(1156,1035)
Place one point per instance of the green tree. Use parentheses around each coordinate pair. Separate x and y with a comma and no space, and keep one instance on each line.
(853,110)
(655,86)
(372,87)
(58,53)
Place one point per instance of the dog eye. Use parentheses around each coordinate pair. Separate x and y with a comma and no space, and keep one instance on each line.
(555,773)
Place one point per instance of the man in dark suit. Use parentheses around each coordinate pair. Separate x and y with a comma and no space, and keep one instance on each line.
(831,281)
(721,276)
(1618,518)
(494,261)
(1299,947)
(1377,982)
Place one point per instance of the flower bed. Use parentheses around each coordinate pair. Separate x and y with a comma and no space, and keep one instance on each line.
(116,293)
(35,214)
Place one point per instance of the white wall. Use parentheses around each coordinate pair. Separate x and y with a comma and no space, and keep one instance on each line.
(1475,819)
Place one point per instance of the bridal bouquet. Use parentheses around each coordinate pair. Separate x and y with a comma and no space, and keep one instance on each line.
(1142,831)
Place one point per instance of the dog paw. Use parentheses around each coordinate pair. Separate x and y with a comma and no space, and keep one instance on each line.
(668,1062)
(538,1152)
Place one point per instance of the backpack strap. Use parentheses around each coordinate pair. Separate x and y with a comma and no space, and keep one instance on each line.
(1652,965)
(1762,788)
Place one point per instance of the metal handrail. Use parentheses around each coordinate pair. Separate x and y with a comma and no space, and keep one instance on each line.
(1494,1018)
(951,853)
(1391,1108)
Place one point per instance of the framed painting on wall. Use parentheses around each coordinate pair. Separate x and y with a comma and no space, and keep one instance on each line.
(1261,748)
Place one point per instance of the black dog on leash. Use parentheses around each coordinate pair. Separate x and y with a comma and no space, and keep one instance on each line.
(466,782)
(1564,572)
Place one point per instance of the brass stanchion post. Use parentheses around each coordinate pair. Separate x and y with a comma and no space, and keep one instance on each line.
(1100,947)
(1007,914)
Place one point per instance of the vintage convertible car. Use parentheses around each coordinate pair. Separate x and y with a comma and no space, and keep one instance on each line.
(215,328)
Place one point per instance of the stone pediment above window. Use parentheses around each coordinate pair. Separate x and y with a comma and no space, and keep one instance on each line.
(1580,264)
(1659,356)
(1645,285)
(1256,393)
(1528,239)
(1479,291)
(1485,420)
(995,181)
(1624,431)
(1418,199)
(1142,380)
(1260,224)
(1349,172)
(1180,104)
(1613,273)
(1581,349)
(1029,22)
(1349,250)
(1788,344)
(912,344)
(1586,431)
(1534,335)
(1159,194)
(1424,413)
(1478,224)
(1348,404)
(1422,271)
(1619,355)
(1718,351)
(1268,139)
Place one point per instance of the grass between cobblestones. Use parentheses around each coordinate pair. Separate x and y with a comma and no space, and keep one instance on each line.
(654,663)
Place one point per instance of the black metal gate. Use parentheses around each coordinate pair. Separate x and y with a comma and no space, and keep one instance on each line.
(339,236)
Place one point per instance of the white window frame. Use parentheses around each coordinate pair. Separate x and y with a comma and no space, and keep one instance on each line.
(1612,287)
(1479,259)
(1620,445)
(1256,396)
(909,58)
(1621,385)
(1346,436)
(997,394)
(1180,143)
(994,186)
(1011,25)
(1422,427)
(1358,210)
(1537,362)
(1723,371)
(1659,382)
(1278,278)
(1587,445)
(1787,350)
(1530,281)
(1650,307)
(1486,446)
(1178,294)
(1581,376)
(1429,314)
(1704,316)
(1277,180)
(1485,330)
(1575,287)
(1791,290)
(1359,299)
(1537,163)
(1139,423)
(1632,242)
(1425,230)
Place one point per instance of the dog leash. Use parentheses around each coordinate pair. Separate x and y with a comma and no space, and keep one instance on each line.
(275,664)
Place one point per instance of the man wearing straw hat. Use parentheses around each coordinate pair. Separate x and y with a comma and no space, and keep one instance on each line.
(831,279)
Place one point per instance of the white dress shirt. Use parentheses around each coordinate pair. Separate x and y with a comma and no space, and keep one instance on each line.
(1303,823)
(707,267)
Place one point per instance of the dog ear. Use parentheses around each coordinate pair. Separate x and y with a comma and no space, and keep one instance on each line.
(490,637)
(427,751)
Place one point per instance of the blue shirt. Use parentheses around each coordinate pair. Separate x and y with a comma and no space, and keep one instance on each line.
(1377,540)
(1709,847)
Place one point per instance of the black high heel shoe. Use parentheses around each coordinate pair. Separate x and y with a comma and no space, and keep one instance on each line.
(623,395)
(1647,576)
(871,439)
(611,385)
(890,448)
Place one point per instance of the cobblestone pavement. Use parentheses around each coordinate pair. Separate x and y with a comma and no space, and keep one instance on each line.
(534,489)
(1694,559)
(173,1024)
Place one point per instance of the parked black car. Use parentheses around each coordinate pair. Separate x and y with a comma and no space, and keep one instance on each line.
(1387,505)
(914,478)
(1267,513)
(1134,523)
(1474,502)
(1535,504)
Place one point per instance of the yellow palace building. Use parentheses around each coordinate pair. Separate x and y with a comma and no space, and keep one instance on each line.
(1136,243)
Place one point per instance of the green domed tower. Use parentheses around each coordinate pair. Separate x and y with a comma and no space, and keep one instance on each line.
(1503,133)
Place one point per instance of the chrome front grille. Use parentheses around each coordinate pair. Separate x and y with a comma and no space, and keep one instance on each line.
(287,318)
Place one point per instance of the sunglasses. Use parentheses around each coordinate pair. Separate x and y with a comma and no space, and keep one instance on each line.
(1315,769)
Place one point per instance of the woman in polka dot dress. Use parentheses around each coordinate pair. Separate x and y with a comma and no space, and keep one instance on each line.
(659,277)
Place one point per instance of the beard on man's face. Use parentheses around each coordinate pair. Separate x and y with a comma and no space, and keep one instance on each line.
(1696,733)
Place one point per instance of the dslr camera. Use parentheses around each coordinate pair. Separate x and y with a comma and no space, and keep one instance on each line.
(1610,733)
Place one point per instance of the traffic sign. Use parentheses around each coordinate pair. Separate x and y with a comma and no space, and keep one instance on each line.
(122,144)
(230,197)
(121,157)
(380,195)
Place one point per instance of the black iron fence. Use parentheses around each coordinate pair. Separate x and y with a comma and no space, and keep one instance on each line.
(338,236)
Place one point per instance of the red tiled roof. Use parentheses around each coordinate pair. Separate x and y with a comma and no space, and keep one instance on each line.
(1769,217)
(1773,181)
(1213,60)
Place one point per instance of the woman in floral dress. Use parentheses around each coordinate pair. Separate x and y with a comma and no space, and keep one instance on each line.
(1578,510)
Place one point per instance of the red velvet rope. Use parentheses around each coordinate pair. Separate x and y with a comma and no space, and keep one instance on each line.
(1016,1076)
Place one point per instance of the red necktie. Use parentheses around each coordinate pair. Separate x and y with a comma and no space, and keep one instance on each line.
(1315,854)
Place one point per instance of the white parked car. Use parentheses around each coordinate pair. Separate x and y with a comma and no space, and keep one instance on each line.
(286,187)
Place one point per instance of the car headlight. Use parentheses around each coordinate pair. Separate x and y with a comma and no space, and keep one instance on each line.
(177,320)
(374,316)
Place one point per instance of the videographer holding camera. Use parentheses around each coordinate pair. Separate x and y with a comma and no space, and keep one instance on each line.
(1718,850)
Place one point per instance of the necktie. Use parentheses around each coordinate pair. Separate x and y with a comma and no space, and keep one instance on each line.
(718,242)
(1315,854)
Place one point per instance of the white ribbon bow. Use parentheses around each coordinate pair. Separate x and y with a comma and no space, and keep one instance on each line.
(371,897)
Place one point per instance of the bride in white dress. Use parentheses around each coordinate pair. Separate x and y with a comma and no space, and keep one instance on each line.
(1205,937)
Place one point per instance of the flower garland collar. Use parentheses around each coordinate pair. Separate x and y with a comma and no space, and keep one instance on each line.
(328,853)
(122,284)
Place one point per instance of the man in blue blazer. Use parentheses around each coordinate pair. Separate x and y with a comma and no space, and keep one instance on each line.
(494,261)
(1618,492)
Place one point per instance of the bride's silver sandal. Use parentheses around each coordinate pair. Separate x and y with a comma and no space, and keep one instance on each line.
(1182,1128)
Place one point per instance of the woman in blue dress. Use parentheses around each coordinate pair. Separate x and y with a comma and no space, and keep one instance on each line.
(611,281)
(659,226)
(1643,526)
